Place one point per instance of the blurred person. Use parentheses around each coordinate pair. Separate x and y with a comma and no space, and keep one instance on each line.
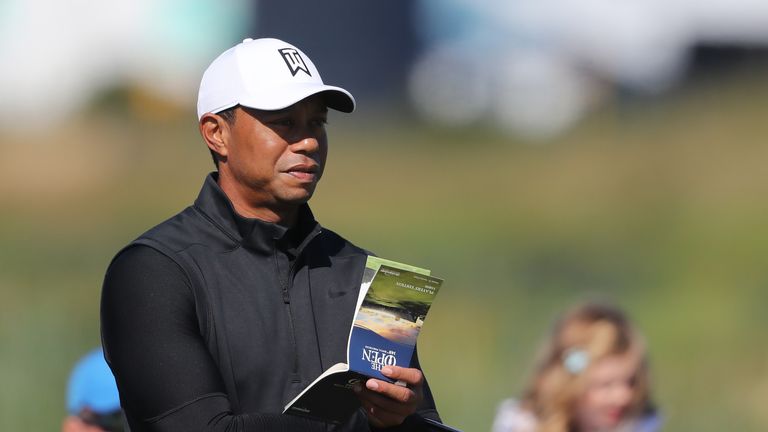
(592,376)
(216,318)
(93,403)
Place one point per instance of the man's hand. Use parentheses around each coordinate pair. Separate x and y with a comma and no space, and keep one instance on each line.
(389,404)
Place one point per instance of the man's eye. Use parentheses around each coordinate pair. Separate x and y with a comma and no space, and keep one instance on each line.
(319,122)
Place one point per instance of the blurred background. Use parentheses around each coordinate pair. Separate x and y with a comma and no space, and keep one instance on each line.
(534,153)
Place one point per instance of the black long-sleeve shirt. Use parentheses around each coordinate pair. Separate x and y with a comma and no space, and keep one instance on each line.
(211,321)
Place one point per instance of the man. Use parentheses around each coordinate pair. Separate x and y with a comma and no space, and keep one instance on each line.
(216,318)
(93,404)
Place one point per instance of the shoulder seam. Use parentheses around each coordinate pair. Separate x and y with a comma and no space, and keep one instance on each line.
(215,225)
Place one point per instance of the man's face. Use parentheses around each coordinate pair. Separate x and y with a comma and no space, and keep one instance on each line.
(277,157)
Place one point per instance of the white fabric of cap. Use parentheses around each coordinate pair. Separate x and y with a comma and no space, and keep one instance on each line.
(266,74)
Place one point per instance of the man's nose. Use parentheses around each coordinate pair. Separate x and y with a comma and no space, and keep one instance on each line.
(308,144)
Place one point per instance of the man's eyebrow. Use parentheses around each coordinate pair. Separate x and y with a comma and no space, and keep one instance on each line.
(323,110)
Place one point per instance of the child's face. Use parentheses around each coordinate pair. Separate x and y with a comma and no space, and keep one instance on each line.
(610,387)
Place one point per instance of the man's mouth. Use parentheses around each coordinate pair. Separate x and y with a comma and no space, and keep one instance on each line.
(303,172)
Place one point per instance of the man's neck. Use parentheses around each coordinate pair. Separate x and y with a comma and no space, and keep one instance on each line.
(247,205)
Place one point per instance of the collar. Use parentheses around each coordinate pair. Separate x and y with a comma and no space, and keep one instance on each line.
(254,234)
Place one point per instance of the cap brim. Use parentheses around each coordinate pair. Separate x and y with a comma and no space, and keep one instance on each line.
(278,98)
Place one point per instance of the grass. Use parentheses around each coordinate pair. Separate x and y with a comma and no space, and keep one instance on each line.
(661,208)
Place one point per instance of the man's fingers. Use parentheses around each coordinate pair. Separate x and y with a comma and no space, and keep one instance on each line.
(388,404)
(400,394)
(410,376)
(389,396)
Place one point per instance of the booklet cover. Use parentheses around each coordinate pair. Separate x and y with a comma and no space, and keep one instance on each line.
(393,302)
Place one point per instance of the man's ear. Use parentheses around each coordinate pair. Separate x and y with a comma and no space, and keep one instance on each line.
(215,132)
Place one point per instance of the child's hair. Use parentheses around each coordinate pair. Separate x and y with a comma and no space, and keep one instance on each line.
(582,336)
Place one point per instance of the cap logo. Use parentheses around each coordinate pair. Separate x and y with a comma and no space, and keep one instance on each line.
(294,61)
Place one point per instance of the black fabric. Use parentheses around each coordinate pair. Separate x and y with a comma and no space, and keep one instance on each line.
(213,322)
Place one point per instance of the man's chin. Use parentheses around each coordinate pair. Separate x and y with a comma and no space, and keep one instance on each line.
(299,197)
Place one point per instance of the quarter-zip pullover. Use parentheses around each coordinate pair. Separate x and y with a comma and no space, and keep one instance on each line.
(232,318)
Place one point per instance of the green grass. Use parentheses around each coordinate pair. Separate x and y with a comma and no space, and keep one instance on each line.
(661,208)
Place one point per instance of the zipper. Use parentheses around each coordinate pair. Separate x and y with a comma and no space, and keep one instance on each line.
(285,286)
(286,297)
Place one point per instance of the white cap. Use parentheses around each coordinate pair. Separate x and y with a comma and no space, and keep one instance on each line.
(265,74)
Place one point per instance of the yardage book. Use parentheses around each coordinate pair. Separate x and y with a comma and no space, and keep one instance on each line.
(393,302)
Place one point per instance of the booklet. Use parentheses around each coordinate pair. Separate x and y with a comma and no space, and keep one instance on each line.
(394,300)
